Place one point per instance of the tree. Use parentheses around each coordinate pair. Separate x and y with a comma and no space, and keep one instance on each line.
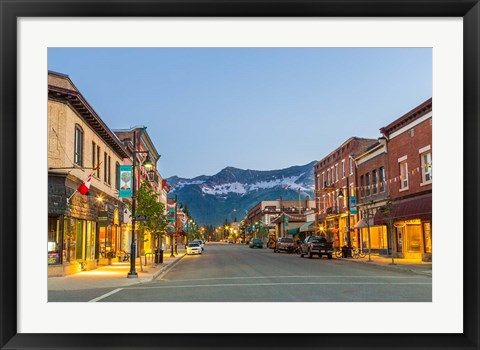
(149,205)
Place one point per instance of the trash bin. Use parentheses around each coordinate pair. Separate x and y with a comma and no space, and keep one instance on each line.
(344,251)
(158,256)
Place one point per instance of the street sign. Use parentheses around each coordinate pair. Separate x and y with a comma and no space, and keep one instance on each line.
(141,217)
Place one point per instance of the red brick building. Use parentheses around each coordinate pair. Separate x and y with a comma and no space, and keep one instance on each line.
(409,144)
(333,174)
(372,194)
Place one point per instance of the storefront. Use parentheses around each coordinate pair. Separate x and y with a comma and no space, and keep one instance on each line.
(411,223)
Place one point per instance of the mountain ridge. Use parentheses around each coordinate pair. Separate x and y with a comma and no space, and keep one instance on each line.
(212,199)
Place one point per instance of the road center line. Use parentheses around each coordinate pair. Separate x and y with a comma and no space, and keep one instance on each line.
(105,295)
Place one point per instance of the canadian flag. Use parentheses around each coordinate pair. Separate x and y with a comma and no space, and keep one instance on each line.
(85,186)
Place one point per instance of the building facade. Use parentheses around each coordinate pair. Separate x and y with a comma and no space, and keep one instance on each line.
(335,189)
(409,213)
(82,229)
(373,193)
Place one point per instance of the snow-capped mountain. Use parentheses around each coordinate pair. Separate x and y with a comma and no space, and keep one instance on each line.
(231,192)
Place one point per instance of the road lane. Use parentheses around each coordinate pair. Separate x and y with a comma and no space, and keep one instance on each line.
(236,273)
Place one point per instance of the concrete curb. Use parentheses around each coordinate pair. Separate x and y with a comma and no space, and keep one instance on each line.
(166,268)
(389,267)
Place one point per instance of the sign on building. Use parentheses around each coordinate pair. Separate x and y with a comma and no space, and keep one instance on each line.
(126,178)
(353,205)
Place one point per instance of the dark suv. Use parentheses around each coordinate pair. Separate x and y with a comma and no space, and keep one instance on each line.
(316,246)
(284,244)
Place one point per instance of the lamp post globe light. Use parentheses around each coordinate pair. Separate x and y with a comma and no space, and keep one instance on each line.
(148,165)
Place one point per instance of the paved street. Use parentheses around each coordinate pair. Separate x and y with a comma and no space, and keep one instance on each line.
(236,273)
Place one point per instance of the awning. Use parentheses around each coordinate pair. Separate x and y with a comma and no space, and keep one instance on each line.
(408,209)
(308,226)
(293,231)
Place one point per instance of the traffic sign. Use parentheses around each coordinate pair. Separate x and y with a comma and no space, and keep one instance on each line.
(141,217)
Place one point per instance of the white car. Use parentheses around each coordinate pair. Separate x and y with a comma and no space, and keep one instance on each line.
(199,241)
(194,248)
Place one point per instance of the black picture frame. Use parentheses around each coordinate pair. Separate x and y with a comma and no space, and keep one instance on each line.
(11,10)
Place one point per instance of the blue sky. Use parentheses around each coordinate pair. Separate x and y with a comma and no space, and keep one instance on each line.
(262,109)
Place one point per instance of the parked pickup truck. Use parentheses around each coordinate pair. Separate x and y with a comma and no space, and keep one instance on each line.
(314,245)
(285,244)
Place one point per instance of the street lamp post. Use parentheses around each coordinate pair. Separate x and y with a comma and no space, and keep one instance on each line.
(147,164)
(341,195)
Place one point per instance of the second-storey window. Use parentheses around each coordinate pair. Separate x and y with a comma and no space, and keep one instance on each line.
(374,181)
(336,172)
(381,173)
(323,180)
(328,177)
(351,166)
(343,169)
(105,167)
(94,148)
(403,175)
(117,176)
(98,161)
(367,183)
(426,159)
(78,146)
(109,179)
(362,189)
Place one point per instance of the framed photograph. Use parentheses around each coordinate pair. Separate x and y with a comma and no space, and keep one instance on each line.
(448,30)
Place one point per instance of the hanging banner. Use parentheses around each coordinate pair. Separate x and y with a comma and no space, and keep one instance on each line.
(353,205)
(125,181)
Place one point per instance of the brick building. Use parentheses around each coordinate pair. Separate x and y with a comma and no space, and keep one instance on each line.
(334,174)
(409,213)
(372,194)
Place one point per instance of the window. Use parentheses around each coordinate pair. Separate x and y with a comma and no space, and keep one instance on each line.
(403,175)
(336,172)
(374,181)
(351,166)
(362,189)
(78,146)
(367,183)
(94,149)
(109,171)
(98,161)
(381,173)
(117,176)
(426,161)
(105,175)
(328,177)
(323,179)
(343,169)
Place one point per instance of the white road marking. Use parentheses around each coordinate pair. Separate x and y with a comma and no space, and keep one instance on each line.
(260,277)
(283,283)
(105,295)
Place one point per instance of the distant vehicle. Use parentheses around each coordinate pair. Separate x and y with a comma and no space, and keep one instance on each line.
(256,243)
(284,244)
(314,245)
(199,241)
(194,248)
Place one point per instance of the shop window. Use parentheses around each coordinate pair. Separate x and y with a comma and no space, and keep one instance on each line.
(427,234)
(53,240)
(414,239)
(69,240)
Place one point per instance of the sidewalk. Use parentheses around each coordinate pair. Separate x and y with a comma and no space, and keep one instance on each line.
(401,264)
(115,275)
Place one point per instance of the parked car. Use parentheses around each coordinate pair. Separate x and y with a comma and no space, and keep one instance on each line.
(194,248)
(284,244)
(199,241)
(314,245)
(256,243)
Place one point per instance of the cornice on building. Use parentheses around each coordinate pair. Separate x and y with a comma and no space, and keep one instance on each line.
(407,118)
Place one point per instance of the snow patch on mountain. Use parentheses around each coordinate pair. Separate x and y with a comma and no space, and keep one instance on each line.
(181,184)
(239,188)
